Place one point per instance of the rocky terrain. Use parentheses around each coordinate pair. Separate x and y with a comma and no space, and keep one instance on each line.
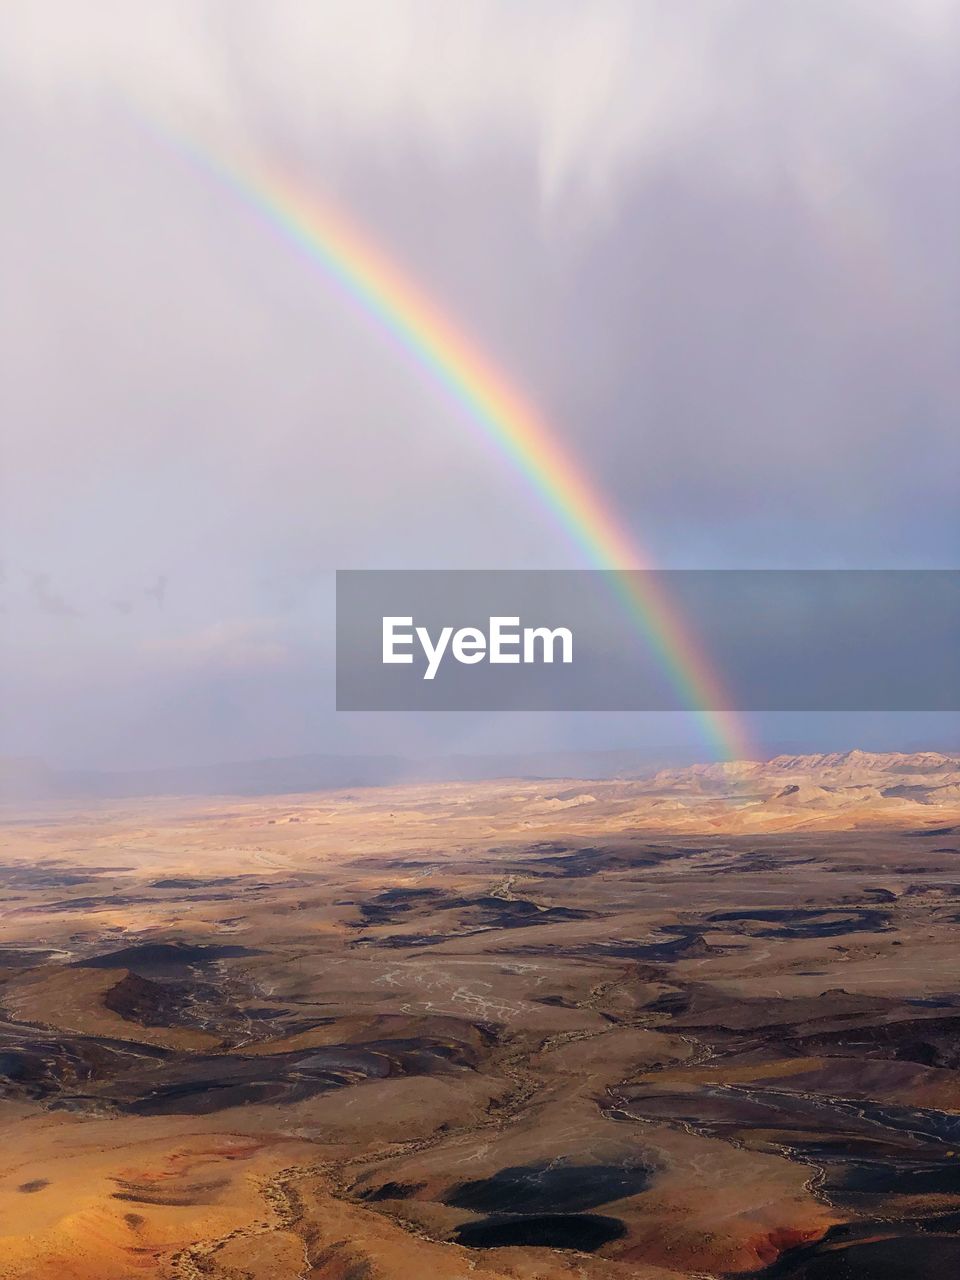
(706,1024)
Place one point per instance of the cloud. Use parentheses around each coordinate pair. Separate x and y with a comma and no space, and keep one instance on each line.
(584,91)
(158,591)
(714,243)
(225,647)
(49,601)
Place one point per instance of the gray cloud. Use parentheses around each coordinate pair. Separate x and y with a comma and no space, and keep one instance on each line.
(49,601)
(158,591)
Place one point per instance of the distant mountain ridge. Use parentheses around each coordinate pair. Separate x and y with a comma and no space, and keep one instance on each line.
(840,780)
(31,780)
(886,761)
(834,765)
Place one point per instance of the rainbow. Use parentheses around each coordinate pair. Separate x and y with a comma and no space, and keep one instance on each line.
(492,403)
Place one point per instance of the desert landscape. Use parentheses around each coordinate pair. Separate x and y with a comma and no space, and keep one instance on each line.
(700,1024)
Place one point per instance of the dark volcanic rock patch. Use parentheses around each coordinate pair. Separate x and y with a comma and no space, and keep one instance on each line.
(715,1015)
(163,959)
(191,1193)
(202,1086)
(804,922)
(471,915)
(389,1191)
(152,1004)
(590,860)
(89,1073)
(392,905)
(558,1187)
(513,913)
(67,905)
(869,1158)
(672,1002)
(870,1251)
(585,1232)
(215,882)
(689,945)
(47,1066)
(51,876)
(932,1042)
(402,940)
(24,957)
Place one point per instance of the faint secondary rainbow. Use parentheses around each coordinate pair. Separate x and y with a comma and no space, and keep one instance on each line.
(373,280)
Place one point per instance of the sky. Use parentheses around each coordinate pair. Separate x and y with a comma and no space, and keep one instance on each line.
(715,244)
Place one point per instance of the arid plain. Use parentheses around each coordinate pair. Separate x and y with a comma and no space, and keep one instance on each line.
(704,1024)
